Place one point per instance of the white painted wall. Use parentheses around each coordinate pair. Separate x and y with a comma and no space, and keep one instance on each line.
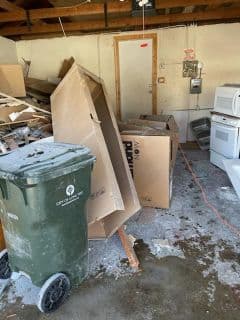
(8,52)
(216,46)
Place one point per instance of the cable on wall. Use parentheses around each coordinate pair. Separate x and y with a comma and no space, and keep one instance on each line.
(63,31)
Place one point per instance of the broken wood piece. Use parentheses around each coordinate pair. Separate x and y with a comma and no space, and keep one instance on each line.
(37,96)
(17,122)
(127,245)
(22,102)
(11,315)
(24,114)
(66,66)
(41,117)
(8,101)
(41,86)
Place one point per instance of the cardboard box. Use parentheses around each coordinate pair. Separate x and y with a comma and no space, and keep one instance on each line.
(151,155)
(171,130)
(12,80)
(81,114)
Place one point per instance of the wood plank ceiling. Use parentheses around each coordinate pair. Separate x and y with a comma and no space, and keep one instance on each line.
(22,19)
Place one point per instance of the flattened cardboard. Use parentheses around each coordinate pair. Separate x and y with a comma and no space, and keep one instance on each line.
(88,106)
(12,80)
(75,121)
(110,224)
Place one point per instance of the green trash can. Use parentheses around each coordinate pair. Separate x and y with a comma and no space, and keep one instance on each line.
(43,191)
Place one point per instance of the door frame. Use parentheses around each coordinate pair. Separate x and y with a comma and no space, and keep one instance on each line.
(117,39)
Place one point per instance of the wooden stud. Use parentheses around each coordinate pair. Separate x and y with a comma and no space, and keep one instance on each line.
(132,258)
(117,79)
(154,72)
(10,6)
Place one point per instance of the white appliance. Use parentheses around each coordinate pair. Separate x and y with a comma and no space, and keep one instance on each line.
(227,100)
(225,139)
(233,171)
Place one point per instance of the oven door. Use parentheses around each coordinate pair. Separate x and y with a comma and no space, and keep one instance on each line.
(224,140)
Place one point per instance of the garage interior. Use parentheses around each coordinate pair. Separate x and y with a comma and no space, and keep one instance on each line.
(152,89)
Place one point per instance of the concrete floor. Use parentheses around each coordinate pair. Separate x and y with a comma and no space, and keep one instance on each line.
(196,276)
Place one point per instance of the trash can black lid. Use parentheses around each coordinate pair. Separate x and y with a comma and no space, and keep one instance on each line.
(42,159)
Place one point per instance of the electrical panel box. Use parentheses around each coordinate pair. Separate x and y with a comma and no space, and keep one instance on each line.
(195,86)
(190,69)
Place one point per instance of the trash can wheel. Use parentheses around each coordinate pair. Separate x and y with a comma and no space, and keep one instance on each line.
(5,270)
(53,293)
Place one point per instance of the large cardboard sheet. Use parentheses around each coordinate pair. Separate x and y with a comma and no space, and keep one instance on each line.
(75,121)
(81,114)
(107,226)
(11,80)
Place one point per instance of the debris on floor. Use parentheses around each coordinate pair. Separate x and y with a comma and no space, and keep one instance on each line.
(22,123)
(188,226)
(162,248)
(186,235)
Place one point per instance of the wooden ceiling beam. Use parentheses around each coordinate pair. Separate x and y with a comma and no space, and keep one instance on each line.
(80,10)
(125,22)
(163,4)
(9,6)
(97,8)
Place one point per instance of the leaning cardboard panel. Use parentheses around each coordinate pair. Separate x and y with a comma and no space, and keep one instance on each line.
(75,121)
(11,80)
(107,226)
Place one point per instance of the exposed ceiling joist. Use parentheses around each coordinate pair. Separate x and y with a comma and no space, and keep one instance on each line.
(125,22)
(9,6)
(98,8)
(188,9)
(81,10)
(161,4)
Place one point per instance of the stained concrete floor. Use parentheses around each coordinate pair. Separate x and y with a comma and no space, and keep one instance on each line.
(203,282)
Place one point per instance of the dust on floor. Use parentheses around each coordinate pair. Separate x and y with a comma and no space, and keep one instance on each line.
(191,261)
